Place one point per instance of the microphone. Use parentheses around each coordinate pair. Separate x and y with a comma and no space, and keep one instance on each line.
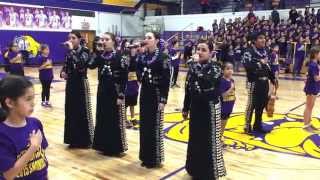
(65,44)
(141,44)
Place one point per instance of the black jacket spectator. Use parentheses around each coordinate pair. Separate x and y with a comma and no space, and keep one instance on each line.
(275,17)
(293,15)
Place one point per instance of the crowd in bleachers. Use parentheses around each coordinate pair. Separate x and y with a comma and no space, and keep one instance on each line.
(294,35)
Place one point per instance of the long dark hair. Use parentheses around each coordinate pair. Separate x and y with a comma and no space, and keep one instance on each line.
(113,38)
(156,36)
(11,87)
(11,45)
(76,33)
(209,43)
(43,47)
(314,51)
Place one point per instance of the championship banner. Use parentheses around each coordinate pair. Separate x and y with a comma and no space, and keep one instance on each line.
(34,18)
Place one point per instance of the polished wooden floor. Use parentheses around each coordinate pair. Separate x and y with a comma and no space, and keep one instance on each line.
(242,163)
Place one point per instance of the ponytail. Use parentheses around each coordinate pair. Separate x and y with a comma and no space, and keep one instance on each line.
(3,114)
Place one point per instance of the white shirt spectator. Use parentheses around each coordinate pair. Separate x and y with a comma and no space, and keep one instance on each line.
(42,20)
(55,21)
(29,19)
(67,22)
(13,18)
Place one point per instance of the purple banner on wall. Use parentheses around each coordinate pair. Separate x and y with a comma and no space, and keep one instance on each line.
(31,41)
(34,18)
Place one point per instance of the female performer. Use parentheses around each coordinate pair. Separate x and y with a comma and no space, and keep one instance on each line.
(204,155)
(154,75)
(78,131)
(109,136)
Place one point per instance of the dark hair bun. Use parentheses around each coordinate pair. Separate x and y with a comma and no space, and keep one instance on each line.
(76,33)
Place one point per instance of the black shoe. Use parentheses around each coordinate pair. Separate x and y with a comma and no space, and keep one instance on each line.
(118,155)
(75,146)
(260,130)
(248,130)
(128,124)
(135,122)
(152,166)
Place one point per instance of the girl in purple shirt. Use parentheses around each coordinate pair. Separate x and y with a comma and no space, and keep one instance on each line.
(22,140)
(228,95)
(45,74)
(15,60)
(274,61)
(311,87)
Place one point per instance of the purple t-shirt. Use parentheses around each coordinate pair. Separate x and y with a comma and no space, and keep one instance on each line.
(173,52)
(300,51)
(274,62)
(229,99)
(312,86)
(13,144)
(14,67)
(47,73)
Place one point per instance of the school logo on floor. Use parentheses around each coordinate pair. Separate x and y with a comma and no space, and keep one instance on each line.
(286,136)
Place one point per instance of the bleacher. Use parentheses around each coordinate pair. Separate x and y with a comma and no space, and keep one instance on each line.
(219,6)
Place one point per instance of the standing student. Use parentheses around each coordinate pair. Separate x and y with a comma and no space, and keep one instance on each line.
(154,75)
(132,90)
(110,135)
(228,94)
(15,60)
(175,55)
(78,132)
(299,57)
(237,56)
(22,140)
(188,47)
(312,87)
(45,74)
(202,102)
(274,61)
(5,54)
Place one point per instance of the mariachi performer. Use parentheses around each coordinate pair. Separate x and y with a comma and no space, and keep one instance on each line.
(78,131)
(259,73)
(154,75)
(202,101)
(110,136)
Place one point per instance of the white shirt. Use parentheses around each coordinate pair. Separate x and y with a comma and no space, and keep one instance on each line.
(42,20)
(29,19)
(13,19)
(67,22)
(55,21)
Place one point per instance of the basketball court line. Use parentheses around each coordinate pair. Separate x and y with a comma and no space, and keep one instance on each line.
(183,167)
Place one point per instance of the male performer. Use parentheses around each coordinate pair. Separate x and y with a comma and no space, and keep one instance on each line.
(258,75)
